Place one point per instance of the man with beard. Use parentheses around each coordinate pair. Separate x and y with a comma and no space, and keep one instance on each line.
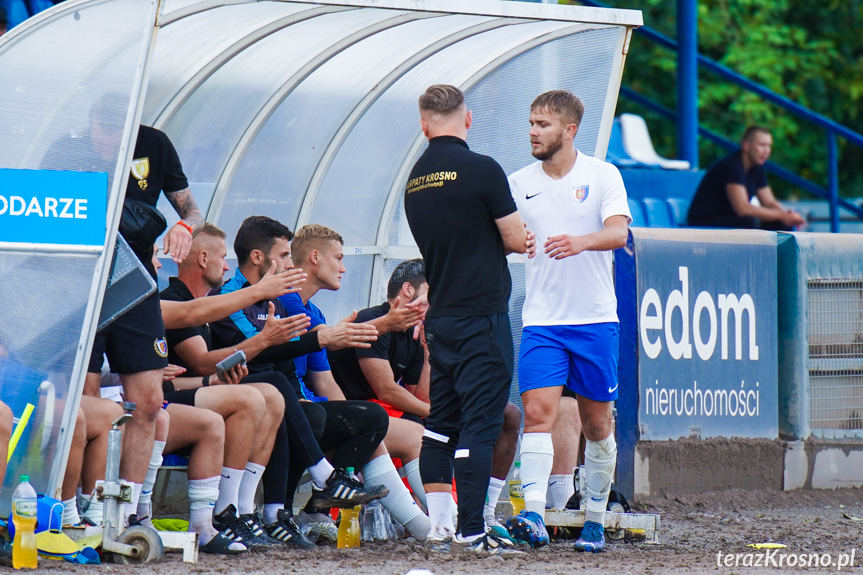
(578,209)
(723,197)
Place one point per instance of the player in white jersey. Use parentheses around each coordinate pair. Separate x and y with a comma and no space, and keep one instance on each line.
(577,207)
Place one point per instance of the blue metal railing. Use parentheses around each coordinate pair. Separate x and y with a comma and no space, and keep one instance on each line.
(832,128)
(730,145)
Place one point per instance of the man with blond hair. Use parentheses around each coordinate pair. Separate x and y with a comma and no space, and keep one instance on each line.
(319,251)
(578,208)
(462,216)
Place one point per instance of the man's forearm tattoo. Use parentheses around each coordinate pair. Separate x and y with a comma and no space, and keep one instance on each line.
(185,205)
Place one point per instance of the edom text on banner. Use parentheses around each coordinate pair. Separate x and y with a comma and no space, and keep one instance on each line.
(53,207)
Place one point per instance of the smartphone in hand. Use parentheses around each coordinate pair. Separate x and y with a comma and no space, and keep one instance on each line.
(230,362)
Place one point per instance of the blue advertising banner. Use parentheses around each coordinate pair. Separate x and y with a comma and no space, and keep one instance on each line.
(53,207)
(706,334)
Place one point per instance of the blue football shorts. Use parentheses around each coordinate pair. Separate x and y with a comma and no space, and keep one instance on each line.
(582,358)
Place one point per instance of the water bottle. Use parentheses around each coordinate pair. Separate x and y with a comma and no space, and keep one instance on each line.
(516,493)
(24,552)
(369,522)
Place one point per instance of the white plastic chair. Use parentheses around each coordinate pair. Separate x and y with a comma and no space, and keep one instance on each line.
(637,143)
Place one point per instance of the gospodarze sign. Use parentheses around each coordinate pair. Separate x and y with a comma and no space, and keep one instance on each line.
(707,346)
(53,207)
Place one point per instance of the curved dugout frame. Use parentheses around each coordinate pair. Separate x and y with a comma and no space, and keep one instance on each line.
(302,110)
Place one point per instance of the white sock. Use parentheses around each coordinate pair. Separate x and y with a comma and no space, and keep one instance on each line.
(320,472)
(70,512)
(537,457)
(94,510)
(271,512)
(412,469)
(229,489)
(144,508)
(560,489)
(400,504)
(249,487)
(495,486)
(453,510)
(600,458)
(202,499)
(440,516)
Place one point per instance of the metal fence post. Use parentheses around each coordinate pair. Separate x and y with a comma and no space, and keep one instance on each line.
(833,181)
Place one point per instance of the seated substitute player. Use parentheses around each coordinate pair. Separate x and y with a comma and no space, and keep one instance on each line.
(270,459)
(319,251)
(394,372)
(253,417)
(262,243)
(185,430)
(578,209)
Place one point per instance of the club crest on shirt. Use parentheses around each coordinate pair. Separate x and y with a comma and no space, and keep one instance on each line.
(161,347)
(141,169)
(579,193)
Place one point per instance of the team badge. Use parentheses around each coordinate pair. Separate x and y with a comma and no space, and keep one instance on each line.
(141,169)
(579,193)
(161,347)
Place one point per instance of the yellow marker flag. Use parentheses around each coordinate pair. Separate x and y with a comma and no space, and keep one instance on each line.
(19,430)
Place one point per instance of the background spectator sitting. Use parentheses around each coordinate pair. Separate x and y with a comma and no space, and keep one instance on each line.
(723,199)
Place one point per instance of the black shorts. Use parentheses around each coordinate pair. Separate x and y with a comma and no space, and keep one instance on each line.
(413,417)
(569,393)
(471,372)
(135,342)
(182,396)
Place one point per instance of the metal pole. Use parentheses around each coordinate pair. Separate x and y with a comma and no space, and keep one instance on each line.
(687,81)
(833,181)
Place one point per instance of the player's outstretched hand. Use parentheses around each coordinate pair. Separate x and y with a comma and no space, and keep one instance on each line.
(281,330)
(402,317)
(563,246)
(273,285)
(348,334)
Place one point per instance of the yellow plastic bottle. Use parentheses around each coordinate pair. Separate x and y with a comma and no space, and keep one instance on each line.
(516,494)
(349,526)
(24,554)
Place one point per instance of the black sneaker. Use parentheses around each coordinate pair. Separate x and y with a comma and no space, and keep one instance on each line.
(221,545)
(488,544)
(344,491)
(236,529)
(256,526)
(285,530)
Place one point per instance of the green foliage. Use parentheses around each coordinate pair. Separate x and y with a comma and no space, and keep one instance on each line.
(809,52)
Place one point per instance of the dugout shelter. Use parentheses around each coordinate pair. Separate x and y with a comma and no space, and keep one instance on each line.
(304,111)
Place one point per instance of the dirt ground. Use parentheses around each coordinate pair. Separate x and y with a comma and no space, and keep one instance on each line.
(693,530)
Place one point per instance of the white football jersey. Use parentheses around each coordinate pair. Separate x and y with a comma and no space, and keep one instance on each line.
(578,289)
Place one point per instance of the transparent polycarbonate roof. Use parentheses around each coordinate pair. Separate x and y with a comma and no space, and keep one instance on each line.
(306,111)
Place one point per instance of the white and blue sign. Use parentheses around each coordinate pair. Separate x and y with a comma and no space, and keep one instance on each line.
(705,334)
(53,207)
